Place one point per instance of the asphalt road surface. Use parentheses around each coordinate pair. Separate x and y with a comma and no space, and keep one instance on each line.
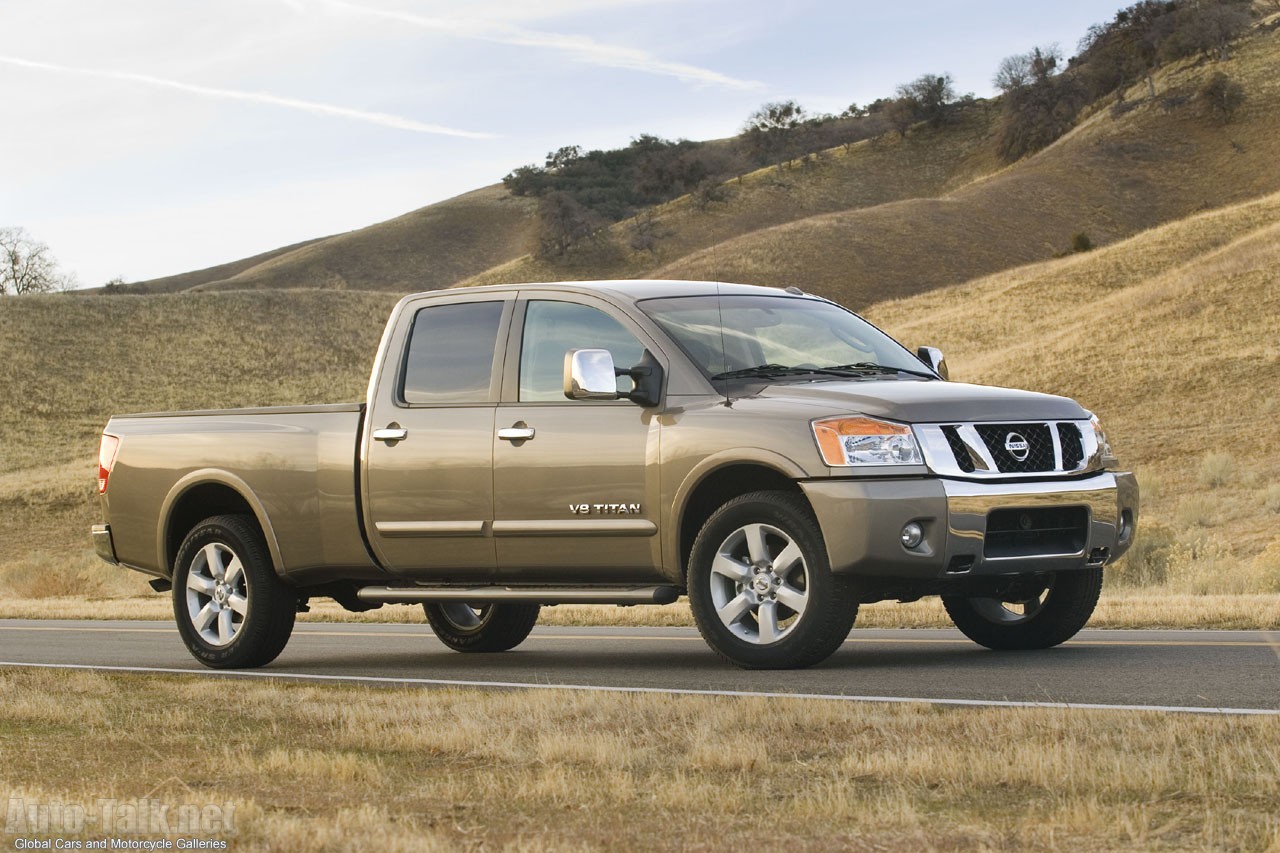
(1238,671)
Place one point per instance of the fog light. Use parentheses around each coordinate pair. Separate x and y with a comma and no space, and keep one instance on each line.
(912,535)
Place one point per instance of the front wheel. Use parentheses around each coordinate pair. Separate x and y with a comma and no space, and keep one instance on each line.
(232,610)
(483,628)
(1040,616)
(761,587)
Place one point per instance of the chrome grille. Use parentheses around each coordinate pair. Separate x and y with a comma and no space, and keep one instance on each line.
(988,450)
(959,448)
(1072,448)
(1037,456)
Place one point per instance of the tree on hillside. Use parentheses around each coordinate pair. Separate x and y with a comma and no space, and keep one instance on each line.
(1039,104)
(1221,97)
(769,134)
(27,265)
(931,95)
(563,225)
(1027,69)
(1204,28)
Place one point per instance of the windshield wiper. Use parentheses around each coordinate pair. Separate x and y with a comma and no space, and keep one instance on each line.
(873,367)
(768,371)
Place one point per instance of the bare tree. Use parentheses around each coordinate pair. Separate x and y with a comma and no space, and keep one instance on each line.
(563,224)
(1221,97)
(770,132)
(930,95)
(27,265)
(1027,69)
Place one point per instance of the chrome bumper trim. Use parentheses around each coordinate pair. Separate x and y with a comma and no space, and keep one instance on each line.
(102,544)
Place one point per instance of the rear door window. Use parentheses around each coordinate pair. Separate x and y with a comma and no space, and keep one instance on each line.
(451,353)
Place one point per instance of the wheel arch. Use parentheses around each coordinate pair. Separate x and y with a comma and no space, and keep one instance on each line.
(203,494)
(718,480)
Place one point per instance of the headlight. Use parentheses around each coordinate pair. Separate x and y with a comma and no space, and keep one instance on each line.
(1103,445)
(846,441)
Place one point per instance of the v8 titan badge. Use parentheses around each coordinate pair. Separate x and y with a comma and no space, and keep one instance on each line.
(604,509)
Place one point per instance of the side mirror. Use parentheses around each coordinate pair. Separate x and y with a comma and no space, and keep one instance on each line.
(589,375)
(935,360)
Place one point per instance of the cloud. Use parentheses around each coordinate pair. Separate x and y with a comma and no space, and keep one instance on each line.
(314,107)
(579,48)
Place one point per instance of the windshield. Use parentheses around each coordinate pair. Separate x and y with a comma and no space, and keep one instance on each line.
(733,337)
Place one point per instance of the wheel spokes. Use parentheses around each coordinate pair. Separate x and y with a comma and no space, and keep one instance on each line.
(767,618)
(226,627)
(213,559)
(202,620)
(787,559)
(200,583)
(238,603)
(235,570)
(755,544)
(731,568)
(794,598)
(735,609)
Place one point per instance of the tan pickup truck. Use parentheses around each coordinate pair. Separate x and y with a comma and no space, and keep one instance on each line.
(766,452)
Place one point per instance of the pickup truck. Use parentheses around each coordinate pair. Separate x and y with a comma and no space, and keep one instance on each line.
(764,451)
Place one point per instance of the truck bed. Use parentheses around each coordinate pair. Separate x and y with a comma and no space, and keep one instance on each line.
(298,464)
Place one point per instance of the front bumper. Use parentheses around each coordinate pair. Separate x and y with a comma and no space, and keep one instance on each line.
(862,520)
(102,544)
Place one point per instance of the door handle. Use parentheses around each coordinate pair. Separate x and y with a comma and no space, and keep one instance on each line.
(392,433)
(519,432)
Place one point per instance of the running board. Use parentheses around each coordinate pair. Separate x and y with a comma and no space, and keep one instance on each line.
(522,595)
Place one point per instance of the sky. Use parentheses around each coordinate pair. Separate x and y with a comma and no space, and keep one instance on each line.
(143,138)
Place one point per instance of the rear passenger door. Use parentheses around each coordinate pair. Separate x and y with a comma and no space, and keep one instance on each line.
(577,498)
(428,444)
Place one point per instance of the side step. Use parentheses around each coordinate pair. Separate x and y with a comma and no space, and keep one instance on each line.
(523,595)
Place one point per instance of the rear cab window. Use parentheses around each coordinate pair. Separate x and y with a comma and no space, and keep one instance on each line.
(450,354)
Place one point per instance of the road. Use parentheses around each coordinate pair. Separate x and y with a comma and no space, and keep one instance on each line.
(1236,670)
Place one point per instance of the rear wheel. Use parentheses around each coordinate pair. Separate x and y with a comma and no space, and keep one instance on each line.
(481,628)
(232,610)
(761,587)
(1041,615)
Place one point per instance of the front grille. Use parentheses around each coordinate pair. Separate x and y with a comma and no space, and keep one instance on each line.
(959,448)
(1036,532)
(1039,451)
(1072,446)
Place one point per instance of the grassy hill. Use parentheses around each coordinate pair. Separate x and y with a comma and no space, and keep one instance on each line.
(867,174)
(426,249)
(188,280)
(1173,338)
(67,364)
(875,222)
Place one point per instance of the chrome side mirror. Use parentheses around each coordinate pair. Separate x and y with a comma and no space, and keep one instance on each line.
(935,360)
(589,375)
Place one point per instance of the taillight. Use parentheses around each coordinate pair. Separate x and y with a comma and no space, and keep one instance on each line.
(106,459)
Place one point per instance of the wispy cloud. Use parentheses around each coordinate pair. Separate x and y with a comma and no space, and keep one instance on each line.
(314,107)
(579,48)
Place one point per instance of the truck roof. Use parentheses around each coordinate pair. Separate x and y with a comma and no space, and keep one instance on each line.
(637,289)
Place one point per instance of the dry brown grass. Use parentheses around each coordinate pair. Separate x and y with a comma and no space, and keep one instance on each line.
(1111,177)
(425,249)
(872,233)
(67,364)
(1171,337)
(333,767)
(865,175)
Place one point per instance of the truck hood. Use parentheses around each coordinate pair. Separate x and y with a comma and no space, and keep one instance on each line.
(924,402)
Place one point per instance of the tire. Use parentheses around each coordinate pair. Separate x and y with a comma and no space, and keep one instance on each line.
(1049,618)
(487,628)
(761,587)
(232,611)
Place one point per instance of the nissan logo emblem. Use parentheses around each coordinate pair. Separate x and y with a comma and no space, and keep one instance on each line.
(1019,448)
